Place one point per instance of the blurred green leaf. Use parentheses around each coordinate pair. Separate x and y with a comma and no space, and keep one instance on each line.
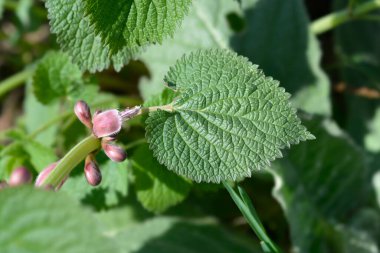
(157,188)
(322,185)
(40,155)
(172,235)
(376,184)
(112,189)
(1,8)
(23,11)
(37,115)
(277,38)
(41,221)
(204,27)
(357,47)
(55,76)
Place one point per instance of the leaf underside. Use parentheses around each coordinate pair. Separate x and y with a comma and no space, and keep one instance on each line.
(228,119)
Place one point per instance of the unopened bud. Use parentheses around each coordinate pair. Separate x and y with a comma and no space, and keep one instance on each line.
(83,113)
(107,123)
(130,112)
(20,176)
(92,172)
(45,173)
(3,184)
(115,153)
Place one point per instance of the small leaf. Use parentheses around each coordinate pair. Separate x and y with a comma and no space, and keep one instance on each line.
(54,77)
(157,188)
(40,155)
(135,23)
(1,8)
(41,221)
(228,119)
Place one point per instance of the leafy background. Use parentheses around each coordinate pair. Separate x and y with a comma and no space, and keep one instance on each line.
(323,196)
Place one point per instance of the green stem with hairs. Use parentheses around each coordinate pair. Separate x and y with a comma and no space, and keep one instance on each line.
(71,160)
(335,19)
(14,81)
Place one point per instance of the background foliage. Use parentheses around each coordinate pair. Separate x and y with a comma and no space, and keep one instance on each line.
(322,196)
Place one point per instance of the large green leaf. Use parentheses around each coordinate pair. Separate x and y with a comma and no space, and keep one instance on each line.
(79,39)
(277,38)
(171,235)
(157,188)
(321,186)
(40,221)
(204,27)
(55,76)
(135,23)
(228,119)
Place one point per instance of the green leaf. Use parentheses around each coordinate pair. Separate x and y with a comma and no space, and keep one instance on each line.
(42,221)
(171,235)
(37,115)
(204,27)
(77,36)
(40,155)
(228,119)
(278,39)
(54,77)
(1,8)
(376,184)
(157,188)
(135,23)
(317,191)
(112,189)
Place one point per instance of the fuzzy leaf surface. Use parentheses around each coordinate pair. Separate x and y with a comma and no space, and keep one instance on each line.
(135,23)
(55,76)
(228,119)
(77,36)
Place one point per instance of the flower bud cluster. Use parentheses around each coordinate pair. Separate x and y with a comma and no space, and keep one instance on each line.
(104,125)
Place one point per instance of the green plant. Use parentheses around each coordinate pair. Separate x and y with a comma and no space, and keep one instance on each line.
(205,118)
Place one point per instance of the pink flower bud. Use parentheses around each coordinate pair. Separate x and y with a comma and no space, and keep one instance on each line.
(44,173)
(20,176)
(106,123)
(115,153)
(91,171)
(3,184)
(83,113)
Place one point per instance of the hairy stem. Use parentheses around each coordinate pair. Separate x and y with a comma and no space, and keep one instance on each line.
(335,19)
(72,159)
(246,208)
(14,81)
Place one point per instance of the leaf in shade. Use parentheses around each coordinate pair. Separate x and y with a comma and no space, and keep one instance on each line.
(157,188)
(320,195)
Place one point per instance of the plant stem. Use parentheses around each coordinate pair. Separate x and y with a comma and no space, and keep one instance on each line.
(70,160)
(14,81)
(334,19)
(253,220)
